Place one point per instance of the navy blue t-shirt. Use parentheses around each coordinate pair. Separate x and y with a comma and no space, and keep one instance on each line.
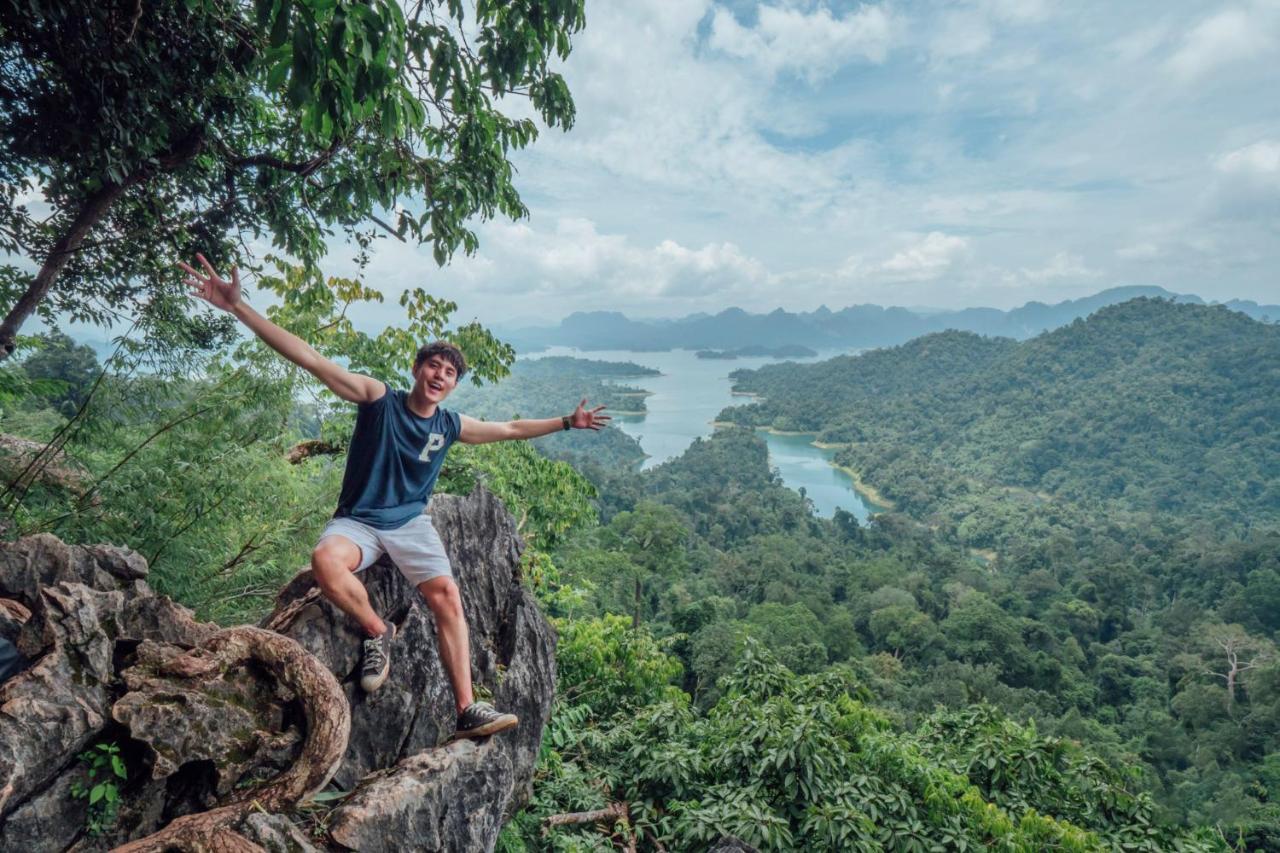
(393,461)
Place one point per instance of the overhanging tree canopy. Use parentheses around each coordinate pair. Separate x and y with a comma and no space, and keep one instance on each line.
(154,129)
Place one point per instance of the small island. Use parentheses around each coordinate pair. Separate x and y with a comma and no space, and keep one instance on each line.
(758,351)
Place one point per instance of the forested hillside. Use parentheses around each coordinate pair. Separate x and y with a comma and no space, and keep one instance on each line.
(545,387)
(1115,637)
(1145,406)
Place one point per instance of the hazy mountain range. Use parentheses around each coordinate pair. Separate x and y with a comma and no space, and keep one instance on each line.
(853,327)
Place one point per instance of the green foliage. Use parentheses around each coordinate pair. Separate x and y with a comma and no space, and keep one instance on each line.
(548,498)
(316,308)
(801,763)
(193,475)
(183,126)
(610,669)
(63,369)
(105,772)
(191,470)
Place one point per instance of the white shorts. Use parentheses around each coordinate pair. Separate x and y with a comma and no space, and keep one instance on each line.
(415,548)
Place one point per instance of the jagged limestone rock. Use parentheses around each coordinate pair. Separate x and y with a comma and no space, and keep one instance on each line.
(451,798)
(512,646)
(213,721)
(236,719)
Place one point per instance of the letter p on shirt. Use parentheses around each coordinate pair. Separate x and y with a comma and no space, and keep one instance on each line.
(434,443)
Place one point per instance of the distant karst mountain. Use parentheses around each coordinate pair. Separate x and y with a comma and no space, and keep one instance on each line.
(858,326)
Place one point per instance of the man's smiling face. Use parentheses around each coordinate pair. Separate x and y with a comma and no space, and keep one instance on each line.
(436,377)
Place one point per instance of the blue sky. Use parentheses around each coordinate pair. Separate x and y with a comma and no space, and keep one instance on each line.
(915,153)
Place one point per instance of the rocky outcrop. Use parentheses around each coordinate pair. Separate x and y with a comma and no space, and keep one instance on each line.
(24,462)
(224,731)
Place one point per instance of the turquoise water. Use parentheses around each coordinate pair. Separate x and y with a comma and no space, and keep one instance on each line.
(687,397)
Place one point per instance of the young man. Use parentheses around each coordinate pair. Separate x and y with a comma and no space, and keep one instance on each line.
(395,455)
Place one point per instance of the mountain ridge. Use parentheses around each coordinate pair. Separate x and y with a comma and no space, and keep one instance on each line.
(854,326)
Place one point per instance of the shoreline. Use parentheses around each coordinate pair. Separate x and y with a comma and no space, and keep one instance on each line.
(862,488)
(871,494)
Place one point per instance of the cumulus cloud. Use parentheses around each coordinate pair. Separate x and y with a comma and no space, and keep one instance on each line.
(523,272)
(812,44)
(927,258)
(1248,182)
(657,110)
(802,151)
(1232,35)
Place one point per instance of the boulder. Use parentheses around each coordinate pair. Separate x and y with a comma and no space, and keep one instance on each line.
(225,731)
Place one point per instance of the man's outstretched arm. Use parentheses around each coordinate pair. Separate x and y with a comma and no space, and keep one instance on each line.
(220,293)
(483,432)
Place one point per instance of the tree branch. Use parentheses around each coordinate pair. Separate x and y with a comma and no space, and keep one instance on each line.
(91,212)
(303,168)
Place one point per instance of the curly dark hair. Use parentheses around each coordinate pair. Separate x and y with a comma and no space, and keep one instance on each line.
(445,350)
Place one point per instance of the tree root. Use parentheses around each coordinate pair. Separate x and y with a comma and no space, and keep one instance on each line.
(328,720)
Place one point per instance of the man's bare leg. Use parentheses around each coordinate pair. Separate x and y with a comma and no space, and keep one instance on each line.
(451,629)
(333,564)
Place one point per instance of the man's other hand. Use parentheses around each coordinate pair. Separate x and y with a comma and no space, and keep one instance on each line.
(211,287)
(584,418)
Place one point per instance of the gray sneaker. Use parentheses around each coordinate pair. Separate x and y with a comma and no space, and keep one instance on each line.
(377,660)
(481,718)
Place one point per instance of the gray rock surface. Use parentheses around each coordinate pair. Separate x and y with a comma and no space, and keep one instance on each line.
(404,802)
(512,649)
(98,637)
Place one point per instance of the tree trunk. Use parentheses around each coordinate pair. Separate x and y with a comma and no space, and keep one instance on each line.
(635,617)
(91,212)
(95,207)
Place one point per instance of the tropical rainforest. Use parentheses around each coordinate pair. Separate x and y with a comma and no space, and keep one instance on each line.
(1060,634)
(1019,654)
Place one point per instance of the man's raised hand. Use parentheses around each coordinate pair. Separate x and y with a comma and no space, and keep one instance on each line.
(584,418)
(211,287)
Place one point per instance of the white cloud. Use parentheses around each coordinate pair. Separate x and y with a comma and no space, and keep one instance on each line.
(1247,185)
(806,151)
(523,272)
(961,34)
(1259,159)
(1229,36)
(1063,265)
(928,258)
(1139,252)
(984,207)
(657,112)
(812,44)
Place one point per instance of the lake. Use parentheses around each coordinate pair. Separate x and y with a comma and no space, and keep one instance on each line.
(687,397)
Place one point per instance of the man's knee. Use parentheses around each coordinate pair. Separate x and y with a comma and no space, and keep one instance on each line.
(443,598)
(332,559)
